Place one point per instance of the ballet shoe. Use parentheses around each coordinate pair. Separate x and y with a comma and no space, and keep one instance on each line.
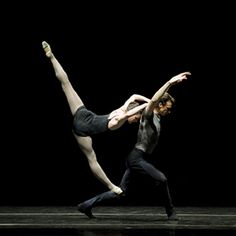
(46,48)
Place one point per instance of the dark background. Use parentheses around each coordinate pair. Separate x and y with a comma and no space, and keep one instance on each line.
(109,53)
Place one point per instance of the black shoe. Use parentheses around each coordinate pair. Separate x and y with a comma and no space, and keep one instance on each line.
(86,211)
(172,215)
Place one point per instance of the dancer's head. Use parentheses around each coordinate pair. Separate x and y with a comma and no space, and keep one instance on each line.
(136,117)
(165,105)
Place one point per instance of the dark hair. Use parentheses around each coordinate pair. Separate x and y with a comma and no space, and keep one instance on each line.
(132,105)
(167,97)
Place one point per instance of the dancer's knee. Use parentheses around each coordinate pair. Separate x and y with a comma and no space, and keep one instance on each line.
(163,178)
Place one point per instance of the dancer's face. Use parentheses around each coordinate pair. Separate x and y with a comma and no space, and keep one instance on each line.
(165,109)
(135,118)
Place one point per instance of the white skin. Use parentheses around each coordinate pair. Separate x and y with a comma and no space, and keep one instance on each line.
(154,104)
(117,118)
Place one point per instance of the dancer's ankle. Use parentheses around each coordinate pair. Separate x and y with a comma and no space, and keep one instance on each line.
(47,49)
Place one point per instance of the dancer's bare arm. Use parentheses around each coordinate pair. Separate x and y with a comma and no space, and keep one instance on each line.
(157,96)
(134,98)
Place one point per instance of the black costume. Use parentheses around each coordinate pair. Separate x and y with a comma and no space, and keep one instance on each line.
(136,162)
(87,123)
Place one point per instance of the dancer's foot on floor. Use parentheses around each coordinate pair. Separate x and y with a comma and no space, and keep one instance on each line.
(86,211)
(173,216)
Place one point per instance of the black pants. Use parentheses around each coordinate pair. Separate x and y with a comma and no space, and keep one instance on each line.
(136,164)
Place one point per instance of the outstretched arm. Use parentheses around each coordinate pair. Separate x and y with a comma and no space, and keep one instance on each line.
(157,96)
(134,98)
(119,116)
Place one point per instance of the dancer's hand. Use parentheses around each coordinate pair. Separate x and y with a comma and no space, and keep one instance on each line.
(179,78)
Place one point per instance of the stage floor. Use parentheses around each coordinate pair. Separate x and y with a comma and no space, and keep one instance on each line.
(116,221)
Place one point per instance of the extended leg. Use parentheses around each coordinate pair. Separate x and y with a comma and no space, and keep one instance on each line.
(72,97)
(138,164)
(86,206)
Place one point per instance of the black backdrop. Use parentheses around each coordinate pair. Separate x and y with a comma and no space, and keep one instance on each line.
(110,53)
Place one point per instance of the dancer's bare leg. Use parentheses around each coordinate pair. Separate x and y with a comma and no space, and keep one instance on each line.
(85,144)
(73,99)
(75,102)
